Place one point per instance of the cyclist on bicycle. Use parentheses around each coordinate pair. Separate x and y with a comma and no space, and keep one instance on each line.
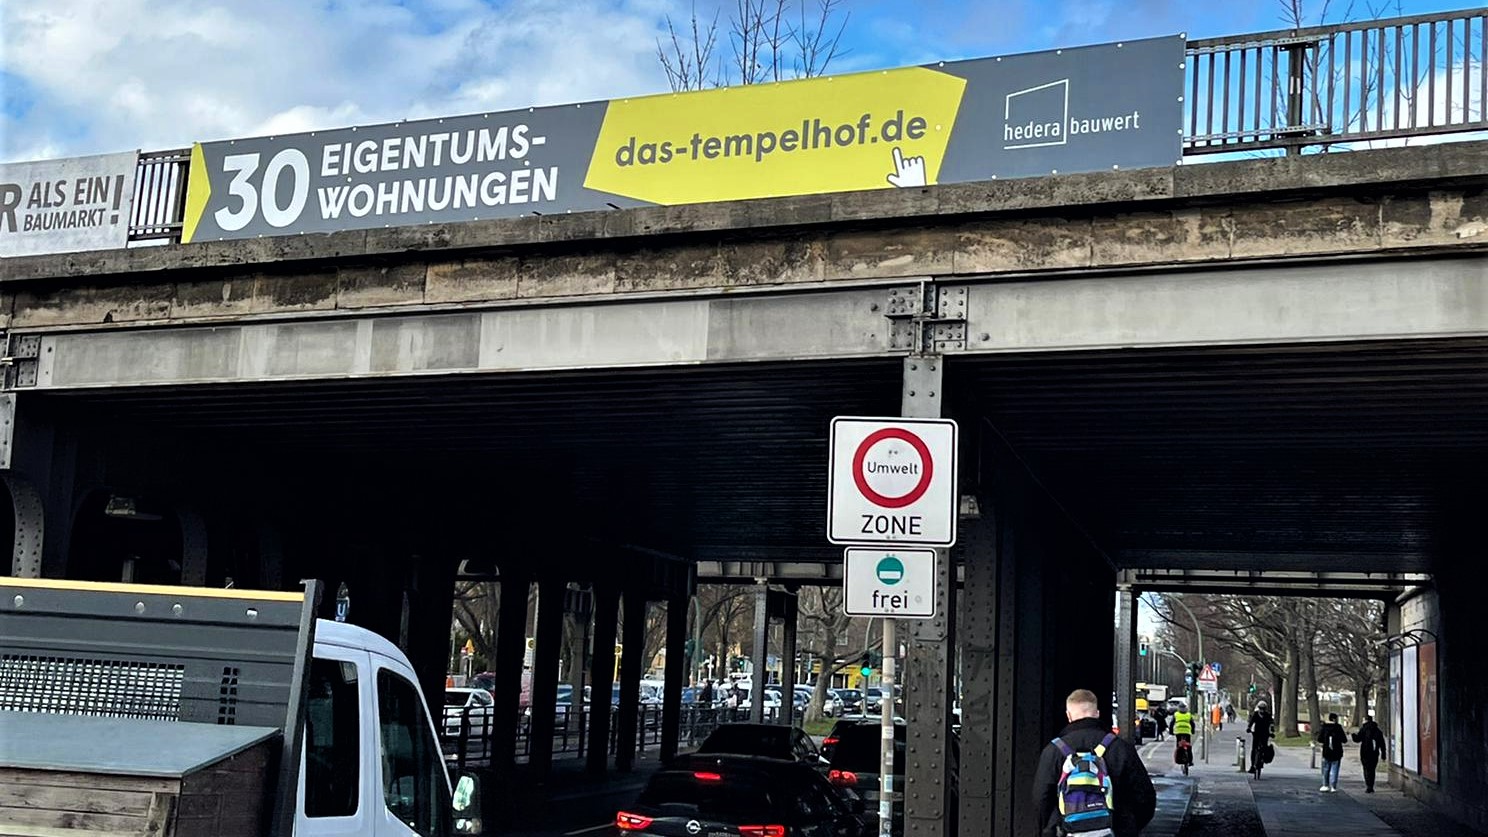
(1183,722)
(1260,732)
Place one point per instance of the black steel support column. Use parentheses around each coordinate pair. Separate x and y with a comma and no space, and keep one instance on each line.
(928,678)
(761,656)
(46,457)
(511,646)
(977,640)
(1126,658)
(633,636)
(431,609)
(676,674)
(602,677)
(550,593)
(788,659)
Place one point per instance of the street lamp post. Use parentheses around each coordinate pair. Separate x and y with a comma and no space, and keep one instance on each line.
(1203,661)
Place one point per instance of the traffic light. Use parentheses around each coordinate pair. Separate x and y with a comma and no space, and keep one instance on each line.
(871,660)
(1142,650)
(1252,688)
(1193,674)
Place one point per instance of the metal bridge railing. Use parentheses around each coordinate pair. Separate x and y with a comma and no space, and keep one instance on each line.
(1288,89)
(160,195)
(1374,80)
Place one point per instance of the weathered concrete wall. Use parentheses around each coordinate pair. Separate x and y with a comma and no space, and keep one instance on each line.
(1419,199)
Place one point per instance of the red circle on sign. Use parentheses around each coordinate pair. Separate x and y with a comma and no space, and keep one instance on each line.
(914,493)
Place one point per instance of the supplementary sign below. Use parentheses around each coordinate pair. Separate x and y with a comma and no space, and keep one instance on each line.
(892,481)
(895,583)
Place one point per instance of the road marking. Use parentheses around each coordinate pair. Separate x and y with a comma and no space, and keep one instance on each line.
(588,830)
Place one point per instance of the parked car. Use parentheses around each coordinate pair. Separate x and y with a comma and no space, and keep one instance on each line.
(873,699)
(744,796)
(459,699)
(843,702)
(857,765)
(830,741)
(772,704)
(764,740)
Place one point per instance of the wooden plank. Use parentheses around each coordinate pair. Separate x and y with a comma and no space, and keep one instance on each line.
(105,823)
(75,799)
(102,781)
(160,822)
(46,831)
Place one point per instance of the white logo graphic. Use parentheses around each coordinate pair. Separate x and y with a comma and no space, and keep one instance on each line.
(1046,129)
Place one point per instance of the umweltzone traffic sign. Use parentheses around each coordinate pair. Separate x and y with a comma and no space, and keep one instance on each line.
(894,583)
(892,480)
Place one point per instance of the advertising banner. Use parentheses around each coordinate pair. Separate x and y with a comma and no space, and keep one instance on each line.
(63,206)
(1428,730)
(1084,109)
(1397,713)
(1410,714)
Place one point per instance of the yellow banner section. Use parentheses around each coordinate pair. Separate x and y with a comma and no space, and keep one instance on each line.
(198,190)
(845,133)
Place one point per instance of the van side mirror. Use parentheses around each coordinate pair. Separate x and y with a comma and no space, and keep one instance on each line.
(466,804)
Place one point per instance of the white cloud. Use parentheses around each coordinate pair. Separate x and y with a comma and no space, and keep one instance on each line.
(106,75)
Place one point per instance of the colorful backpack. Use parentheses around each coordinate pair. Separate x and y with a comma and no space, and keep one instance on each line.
(1085,790)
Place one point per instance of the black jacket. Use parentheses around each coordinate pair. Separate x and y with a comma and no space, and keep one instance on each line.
(1260,725)
(1333,739)
(1132,798)
(1371,741)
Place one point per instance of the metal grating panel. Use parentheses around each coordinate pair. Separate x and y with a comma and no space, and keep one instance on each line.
(91,686)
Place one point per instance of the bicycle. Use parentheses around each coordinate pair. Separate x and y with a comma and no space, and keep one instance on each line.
(1258,759)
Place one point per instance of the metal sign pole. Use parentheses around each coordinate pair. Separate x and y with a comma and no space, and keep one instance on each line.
(886,725)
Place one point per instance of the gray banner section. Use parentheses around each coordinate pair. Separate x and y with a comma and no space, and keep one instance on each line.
(462,168)
(63,206)
(1072,110)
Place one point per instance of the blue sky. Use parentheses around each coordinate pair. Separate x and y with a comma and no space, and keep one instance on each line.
(92,76)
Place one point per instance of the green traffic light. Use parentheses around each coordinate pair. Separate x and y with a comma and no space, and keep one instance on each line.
(866,671)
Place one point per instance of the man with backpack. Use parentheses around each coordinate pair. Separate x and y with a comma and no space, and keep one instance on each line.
(1371,741)
(1089,782)
(1333,739)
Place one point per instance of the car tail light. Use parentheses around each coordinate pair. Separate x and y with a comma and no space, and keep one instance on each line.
(829,741)
(761,831)
(842,778)
(632,822)
(707,777)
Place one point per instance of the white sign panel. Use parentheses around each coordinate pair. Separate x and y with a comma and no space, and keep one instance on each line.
(892,481)
(897,583)
(62,206)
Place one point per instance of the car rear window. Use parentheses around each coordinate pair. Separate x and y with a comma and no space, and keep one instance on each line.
(731,795)
(748,740)
(858,749)
(456,698)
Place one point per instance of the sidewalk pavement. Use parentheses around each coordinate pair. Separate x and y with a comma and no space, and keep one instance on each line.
(1286,800)
(1174,790)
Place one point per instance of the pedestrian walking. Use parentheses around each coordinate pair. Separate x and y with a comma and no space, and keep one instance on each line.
(1259,728)
(1333,739)
(1160,718)
(1230,711)
(1088,779)
(1216,717)
(1371,741)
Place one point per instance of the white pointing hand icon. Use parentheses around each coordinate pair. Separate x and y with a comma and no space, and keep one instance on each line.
(908,171)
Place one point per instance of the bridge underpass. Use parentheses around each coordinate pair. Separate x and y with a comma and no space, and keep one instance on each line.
(1304,400)
(1201,468)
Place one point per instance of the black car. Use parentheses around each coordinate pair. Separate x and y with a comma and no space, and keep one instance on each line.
(742,796)
(765,740)
(857,765)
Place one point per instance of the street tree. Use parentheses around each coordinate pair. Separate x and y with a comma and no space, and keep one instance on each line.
(768,40)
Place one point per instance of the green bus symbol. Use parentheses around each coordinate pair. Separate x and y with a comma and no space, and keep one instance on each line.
(890,570)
